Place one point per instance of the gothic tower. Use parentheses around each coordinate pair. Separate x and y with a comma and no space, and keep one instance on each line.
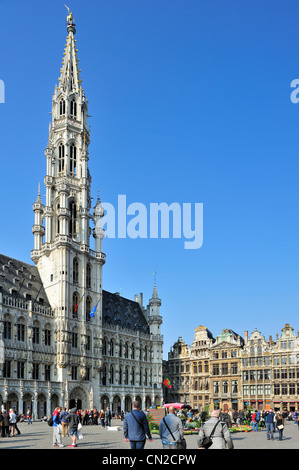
(71,271)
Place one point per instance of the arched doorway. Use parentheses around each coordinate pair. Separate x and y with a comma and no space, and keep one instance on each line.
(41,406)
(12,401)
(27,403)
(105,401)
(78,398)
(128,403)
(116,405)
(148,402)
(139,401)
(54,402)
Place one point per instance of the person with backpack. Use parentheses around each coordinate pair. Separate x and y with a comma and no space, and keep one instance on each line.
(136,427)
(255,420)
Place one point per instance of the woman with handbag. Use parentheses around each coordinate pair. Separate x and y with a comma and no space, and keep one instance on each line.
(279,425)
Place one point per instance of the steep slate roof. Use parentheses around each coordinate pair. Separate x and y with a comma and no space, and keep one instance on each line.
(18,279)
(123,312)
(15,276)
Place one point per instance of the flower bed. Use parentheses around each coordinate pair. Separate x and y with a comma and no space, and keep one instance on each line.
(240,428)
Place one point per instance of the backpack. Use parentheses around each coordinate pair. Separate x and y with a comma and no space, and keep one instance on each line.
(50,421)
(257,416)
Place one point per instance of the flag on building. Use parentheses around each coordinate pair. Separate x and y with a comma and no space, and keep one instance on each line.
(167,382)
(76,306)
(94,309)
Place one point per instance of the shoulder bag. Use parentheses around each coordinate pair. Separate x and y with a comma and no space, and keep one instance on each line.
(178,444)
(207,440)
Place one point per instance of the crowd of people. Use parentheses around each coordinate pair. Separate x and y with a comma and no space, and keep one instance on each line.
(214,427)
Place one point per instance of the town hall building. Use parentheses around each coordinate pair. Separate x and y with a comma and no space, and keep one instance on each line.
(64,340)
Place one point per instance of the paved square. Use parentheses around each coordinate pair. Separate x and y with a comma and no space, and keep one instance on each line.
(39,436)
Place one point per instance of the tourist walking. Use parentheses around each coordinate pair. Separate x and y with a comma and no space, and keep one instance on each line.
(255,420)
(73,421)
(28,415)
(241,417)
(218,432)
(5,424)
(269,424)
(136,427)
(57,428)
(108,417)
(280,426)
(102,418)
(171,430)
(12,422)
(64,423)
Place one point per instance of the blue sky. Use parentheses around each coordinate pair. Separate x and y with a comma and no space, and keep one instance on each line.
(189,102)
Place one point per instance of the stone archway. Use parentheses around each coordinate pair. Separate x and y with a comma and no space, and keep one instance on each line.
(41,405)
(116,405)
(128,403)
(105,401)
(12,401)
(78,398)
(148,402)
(139,400)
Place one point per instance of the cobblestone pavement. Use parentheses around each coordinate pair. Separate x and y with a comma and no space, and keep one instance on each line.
(39,436)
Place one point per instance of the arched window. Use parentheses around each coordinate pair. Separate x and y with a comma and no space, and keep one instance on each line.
(61,155)
(145,353)
(133,377)
(88,276)
(112,347)
(133,351)
(120,381)
(104,376)
(75,271)
(88,308)
(73,159)
(126,350)
(111,374)
(62,107)
(73,109)
(104,348)
(73,219)
(75,304)
(127,376)
(120,349)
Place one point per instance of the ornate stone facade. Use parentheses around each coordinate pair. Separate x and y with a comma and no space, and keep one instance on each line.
(63,339)
(230,372)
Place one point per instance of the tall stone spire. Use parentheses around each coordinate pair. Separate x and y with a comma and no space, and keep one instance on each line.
(71,271)
(70,73)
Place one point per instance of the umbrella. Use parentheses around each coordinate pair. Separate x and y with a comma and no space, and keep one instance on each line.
(175,405)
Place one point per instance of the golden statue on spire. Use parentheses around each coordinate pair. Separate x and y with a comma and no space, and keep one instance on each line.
(70,18)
